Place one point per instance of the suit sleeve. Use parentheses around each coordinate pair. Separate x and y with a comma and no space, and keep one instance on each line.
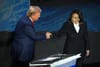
(61,32)
(29,31)
(86,37)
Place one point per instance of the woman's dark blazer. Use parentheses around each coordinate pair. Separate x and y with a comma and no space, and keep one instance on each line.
(75,42)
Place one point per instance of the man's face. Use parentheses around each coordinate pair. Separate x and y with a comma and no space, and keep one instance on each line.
(36,16)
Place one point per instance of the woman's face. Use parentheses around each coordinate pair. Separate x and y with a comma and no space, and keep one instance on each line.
(75,18)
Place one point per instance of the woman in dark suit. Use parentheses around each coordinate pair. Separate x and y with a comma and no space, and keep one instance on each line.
(75,30)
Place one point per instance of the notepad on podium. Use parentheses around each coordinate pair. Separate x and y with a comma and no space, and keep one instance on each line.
(57,60)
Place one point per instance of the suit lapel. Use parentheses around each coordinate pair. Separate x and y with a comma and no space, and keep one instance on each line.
(73,28)
(29,21)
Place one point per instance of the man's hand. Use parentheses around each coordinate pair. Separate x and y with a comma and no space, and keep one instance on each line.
(48,35)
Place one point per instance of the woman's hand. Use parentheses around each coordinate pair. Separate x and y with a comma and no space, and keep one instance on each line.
(87,53)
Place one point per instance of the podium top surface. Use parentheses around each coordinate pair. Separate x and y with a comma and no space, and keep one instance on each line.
(57,58)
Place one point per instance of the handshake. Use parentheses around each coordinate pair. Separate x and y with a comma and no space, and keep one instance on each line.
(48,35)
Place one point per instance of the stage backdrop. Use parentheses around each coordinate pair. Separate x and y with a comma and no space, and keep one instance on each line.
(54,13)
(10,12)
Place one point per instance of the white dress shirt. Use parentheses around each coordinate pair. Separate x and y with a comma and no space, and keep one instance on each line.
(77,27)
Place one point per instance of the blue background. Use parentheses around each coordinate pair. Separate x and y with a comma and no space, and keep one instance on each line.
(53,15)
(10,12)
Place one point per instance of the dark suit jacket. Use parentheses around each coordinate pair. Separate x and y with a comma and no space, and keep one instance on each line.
(75,42)
(25,37)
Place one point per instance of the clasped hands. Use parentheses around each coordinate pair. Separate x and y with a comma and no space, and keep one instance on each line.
(48,35)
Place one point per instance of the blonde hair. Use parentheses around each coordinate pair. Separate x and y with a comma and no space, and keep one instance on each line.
(32,10)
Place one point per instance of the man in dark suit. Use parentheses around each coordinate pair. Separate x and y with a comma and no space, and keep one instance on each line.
(22,49)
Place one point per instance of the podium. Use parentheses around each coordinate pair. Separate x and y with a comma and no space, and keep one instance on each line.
(57,60)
